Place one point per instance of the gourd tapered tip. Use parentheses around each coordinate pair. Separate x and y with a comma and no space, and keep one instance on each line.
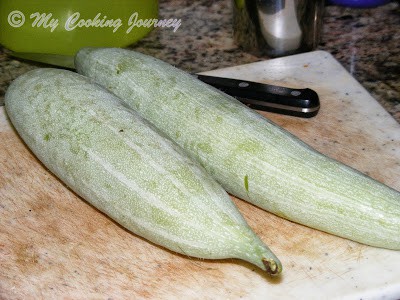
(272,267)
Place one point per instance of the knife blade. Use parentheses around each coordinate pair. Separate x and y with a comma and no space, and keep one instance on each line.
(284,100)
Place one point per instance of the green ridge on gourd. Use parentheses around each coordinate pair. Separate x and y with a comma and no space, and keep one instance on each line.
(251,157)
(122,165)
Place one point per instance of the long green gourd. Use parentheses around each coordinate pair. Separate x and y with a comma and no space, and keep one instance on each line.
(247,154)
(119,163)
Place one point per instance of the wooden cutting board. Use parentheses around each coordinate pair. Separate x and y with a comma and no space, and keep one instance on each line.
(55,245)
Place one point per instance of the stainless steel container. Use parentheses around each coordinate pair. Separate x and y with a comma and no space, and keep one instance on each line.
(277,27)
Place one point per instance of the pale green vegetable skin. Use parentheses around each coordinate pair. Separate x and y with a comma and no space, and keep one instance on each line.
(250,156)
(118,162)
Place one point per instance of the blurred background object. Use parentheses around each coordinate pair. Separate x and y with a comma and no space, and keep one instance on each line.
(277,27)
(365,41)
(49,31)
(359,3)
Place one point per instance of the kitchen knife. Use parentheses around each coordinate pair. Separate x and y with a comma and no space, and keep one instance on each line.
(296,102)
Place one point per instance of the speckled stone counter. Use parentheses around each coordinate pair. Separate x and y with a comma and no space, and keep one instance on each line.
(365,41)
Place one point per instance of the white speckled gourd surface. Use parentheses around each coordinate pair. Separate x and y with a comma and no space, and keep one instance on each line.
(120,164)
(252,158)
(53,245)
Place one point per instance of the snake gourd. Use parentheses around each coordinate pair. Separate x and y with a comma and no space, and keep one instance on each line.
(251,157)
(126,168)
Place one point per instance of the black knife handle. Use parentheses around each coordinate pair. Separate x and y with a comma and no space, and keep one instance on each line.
(297,102)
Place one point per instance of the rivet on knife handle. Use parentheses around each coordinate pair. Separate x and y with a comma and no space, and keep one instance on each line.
(296,102)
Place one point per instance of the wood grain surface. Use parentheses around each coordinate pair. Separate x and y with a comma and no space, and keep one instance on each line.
(54,245)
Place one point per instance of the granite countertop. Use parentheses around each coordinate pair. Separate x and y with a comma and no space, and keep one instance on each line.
(365,41)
